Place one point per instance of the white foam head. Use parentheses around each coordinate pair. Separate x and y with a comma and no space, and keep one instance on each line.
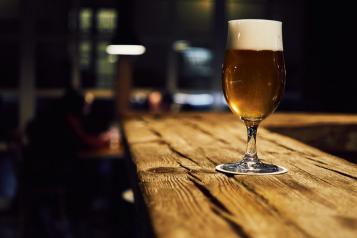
(251,34)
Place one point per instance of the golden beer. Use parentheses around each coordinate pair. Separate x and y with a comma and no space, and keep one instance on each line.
(253,78)
(253,82)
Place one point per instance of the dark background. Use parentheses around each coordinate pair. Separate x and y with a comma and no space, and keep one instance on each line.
(319,48)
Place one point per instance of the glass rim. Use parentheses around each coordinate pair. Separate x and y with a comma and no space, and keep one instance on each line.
(254,20)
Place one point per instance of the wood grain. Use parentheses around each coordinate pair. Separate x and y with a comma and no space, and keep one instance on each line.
(174,158)
(334,133)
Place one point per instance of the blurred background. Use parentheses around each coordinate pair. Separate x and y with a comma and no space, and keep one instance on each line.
(52,51)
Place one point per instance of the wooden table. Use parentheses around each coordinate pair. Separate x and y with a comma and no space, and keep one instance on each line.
(180,194)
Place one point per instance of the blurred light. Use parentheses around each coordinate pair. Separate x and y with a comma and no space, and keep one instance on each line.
(106,20)
(85,54)
(139,97)
(125,49)
(128,195)
(223,100)
(112,58)
(89,97)
(197,55)
(219,99)
(155,97)
(181,45)
(85,19)
(194,99)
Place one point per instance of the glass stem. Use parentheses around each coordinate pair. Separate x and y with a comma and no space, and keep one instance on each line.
(251,150)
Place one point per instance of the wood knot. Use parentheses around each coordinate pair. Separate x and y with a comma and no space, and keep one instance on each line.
(167,170)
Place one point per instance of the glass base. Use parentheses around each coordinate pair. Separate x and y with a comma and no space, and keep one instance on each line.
(251,168)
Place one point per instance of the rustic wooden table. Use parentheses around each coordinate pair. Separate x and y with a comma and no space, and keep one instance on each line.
(180,194)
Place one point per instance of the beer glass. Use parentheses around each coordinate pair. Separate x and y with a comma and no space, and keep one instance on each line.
(253,77)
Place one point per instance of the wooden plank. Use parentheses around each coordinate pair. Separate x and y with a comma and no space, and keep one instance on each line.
(161,174)
(334,133)
(303,119)
(175,158)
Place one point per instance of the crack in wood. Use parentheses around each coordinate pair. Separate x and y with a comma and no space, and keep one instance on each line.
(234,225)
(194,126)
(185,167)
(171,147)
(202,170)
(308,192)
(287,148)
(305,155)
(311,175)
(338,172)
(181,154)
(158,141)
(198,183)
(348,222)
(211,160)
(265,202)
(166,170)
(261,198)
(218,207)
(320,162)
(155,132)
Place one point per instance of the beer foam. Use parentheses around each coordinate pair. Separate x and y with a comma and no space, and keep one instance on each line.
(254,34)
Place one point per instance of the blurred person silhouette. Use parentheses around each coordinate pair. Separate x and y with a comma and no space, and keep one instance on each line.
(159,102)
(56,134)
(51,165)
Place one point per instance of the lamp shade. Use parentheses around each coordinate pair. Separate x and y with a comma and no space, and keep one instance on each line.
(125,49)
(125,41)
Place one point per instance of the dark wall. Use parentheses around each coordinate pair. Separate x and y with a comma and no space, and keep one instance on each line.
(330,77)
(319,44)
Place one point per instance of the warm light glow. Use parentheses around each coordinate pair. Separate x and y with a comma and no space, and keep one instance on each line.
(128,195)
(125,49)
(89,97)
(155,97)
(181,45)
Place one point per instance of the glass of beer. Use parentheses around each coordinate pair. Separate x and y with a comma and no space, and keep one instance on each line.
(253,77)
